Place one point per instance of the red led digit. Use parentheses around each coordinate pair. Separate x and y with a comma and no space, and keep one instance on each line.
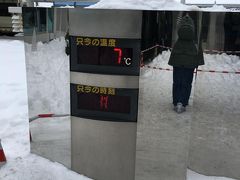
(104,102)
(119,51)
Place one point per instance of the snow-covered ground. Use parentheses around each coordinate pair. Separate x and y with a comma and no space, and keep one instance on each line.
(14,130)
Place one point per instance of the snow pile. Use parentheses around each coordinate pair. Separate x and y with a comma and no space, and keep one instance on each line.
(43,4)
(216,8)
(167,5)
(68,6)
(219,62)
(143,5)
(48,78)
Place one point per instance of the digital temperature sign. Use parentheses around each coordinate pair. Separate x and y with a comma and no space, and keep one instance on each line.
(105,55)
(104,103)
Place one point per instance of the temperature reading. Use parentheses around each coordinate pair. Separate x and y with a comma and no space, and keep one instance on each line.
(119,51)
(105,56)
(127,61)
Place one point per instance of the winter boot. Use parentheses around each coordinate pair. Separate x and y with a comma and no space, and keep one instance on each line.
(180,108)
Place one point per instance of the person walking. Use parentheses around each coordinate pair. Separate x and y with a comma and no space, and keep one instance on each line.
(186,55)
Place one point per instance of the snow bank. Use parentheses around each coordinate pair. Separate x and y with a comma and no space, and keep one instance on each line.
(48,78)
(143,5)
(216,8)
(164,5)
(219,62)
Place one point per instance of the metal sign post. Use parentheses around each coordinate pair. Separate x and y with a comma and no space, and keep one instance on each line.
(104,64)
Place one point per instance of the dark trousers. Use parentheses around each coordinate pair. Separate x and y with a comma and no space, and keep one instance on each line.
(182,85)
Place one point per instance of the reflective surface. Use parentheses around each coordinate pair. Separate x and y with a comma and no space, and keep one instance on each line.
(215,124)
(48,83)
(204,138)
(51,139)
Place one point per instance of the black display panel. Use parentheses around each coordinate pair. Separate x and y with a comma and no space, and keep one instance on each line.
(105,55)
(104,103)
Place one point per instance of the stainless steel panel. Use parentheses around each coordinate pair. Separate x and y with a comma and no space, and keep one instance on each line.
(162,135)
(103,150)
(102,80)
(48,93)
(41,37)
(61,20)
(215,145)
(105,23)
(51,139)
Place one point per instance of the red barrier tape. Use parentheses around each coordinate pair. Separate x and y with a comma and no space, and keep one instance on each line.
(206,50)
(45,115)
(199,70)
(2,156)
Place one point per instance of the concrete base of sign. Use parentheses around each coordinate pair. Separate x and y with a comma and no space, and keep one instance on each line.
(103,150)
(162,134)
(51,138)
(215,144)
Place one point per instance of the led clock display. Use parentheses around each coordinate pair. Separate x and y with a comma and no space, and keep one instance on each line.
(106,103)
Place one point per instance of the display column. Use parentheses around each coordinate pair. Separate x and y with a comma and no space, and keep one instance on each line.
(104,64)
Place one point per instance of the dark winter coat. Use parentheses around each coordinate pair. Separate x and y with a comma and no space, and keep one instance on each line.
(185,52)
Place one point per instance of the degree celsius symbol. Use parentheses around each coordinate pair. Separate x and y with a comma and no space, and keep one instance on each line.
(128,61)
